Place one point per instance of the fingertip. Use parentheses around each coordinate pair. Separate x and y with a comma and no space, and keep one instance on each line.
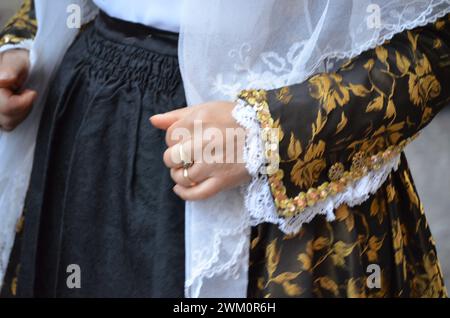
(154,119)
(158,121)
(177,189)
(33,94)
(28,96)
(165,120)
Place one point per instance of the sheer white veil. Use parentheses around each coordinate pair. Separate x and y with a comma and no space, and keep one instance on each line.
(270,43)
(229,45)
(225,46)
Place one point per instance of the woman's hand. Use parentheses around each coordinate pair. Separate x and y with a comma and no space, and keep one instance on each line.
(208,136)
(15,105)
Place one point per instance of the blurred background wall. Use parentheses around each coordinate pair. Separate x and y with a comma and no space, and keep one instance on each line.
(7,9)
(429,158)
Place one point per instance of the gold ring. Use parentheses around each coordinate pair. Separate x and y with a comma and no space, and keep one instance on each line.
(185,162)
(186,176)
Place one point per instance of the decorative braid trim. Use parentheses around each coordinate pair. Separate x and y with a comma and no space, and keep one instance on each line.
(266,199)
(25,44)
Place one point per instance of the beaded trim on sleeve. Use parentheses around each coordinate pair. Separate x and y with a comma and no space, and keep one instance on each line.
(339,178)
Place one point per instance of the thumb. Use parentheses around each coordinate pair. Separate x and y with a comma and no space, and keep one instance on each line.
(164,121)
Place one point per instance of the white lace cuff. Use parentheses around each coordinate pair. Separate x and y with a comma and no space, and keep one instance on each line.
(25,44)
(259,202)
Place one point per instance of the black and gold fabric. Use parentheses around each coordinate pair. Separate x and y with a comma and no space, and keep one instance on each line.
(336,128)
(22,26)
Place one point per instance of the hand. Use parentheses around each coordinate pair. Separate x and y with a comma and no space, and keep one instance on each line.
(15,105)
(209,134)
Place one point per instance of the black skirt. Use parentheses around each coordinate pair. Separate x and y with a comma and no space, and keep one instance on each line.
(100,196)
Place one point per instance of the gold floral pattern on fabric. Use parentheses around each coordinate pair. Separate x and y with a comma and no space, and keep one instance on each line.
(21,26)
(373,105)
(354,121)
(305,171)
(331,259)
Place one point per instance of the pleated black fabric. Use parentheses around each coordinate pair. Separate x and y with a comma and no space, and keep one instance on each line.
(100,196)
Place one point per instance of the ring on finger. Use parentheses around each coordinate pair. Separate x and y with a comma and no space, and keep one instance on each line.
(186,162)
(186,176)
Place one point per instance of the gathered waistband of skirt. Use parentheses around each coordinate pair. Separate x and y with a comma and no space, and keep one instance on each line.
(133,52)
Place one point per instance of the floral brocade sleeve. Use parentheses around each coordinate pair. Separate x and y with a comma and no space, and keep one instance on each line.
(22,26)
(341,133)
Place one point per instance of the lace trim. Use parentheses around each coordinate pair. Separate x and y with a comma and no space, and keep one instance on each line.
(229,268)
(271,80)
(245,115)
(215,266)
(424,19)
(225,252)
(289,207)
(259,201)
(25,44)
(261,207)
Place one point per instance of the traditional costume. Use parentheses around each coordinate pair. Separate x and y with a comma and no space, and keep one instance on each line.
(329,197)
